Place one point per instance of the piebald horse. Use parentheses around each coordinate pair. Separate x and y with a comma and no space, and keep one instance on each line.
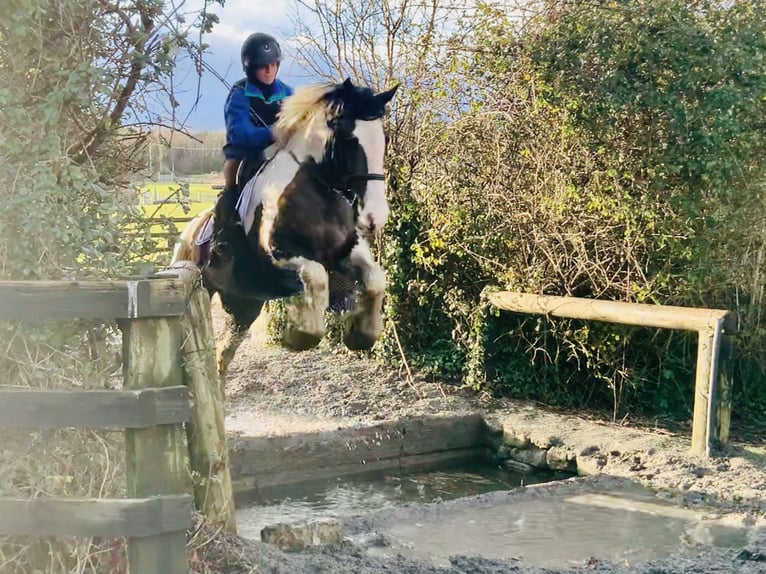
(313,207)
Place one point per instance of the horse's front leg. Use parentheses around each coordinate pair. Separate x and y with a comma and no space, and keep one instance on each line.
(363,327)
(240,314)
(305,313)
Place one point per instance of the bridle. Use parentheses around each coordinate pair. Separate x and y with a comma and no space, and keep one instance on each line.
(343,185)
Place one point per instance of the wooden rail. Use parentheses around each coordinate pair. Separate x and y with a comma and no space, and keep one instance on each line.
(128,517)
(156,336)
(58,300)
(712,395)
(94,409)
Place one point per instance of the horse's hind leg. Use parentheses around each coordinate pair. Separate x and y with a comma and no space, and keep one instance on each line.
(305,313)
(364,326)
(240,314)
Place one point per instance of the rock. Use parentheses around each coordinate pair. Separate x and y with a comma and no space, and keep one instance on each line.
(751,556)
(589,450)
(517,466)
(547,442)
(294,537)
(699,472)
(503,452)
(514,439)
(493,427)
(589,465)
(560,458)
(532,456)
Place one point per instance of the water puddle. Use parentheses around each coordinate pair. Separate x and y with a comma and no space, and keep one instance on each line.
(558,531)
(357,495)
(482,512)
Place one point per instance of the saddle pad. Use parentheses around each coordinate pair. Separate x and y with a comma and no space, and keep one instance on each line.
(206,233)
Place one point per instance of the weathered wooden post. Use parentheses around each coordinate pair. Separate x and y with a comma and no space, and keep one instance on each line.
(208,451)
(155,455)
(724,388)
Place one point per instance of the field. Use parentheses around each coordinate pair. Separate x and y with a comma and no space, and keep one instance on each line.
(154,193)
(157,200)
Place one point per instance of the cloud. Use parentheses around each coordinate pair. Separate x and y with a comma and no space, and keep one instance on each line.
(238,19)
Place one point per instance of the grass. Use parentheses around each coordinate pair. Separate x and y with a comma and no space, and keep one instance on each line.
(173,210)
(172,201)
(154,192)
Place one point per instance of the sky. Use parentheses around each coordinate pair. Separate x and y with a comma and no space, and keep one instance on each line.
(238,19)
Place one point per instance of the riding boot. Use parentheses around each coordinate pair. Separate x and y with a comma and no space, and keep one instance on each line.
(226,222)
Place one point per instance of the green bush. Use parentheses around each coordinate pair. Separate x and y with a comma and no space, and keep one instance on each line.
(612,152)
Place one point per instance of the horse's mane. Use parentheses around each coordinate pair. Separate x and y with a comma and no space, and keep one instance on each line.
(304,110)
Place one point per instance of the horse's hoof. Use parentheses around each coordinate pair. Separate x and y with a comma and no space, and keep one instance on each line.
(358,340)
(300,340)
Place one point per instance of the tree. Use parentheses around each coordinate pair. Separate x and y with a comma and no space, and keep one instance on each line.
(82,84)
(565,147)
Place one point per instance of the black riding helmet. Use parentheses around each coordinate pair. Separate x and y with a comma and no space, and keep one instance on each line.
(259,50)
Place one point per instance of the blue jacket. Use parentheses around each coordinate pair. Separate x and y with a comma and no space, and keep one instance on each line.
(246,136)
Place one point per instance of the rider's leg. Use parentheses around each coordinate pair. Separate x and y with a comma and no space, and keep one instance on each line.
(226,205)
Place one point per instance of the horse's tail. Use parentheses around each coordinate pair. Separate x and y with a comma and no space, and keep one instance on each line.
(186,248)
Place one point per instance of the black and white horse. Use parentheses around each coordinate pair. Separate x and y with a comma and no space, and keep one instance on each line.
(312,208)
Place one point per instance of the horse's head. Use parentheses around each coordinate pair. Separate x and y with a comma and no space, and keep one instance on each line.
(340,127)
(356,147)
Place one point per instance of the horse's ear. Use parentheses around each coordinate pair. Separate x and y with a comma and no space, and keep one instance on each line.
(347,85)
(384,97)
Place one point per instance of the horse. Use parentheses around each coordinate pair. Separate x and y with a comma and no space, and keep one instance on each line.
(314,207)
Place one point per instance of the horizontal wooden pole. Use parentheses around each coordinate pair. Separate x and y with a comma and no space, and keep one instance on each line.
(59,300)
(638,314)
(130,517)
(93,409)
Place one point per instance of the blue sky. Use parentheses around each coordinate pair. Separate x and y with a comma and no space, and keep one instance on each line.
(238,19)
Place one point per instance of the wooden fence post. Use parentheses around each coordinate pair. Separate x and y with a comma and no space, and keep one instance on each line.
(208,450)
(156,456)
(724,389)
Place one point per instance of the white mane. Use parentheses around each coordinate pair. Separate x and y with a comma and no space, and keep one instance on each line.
(306,110)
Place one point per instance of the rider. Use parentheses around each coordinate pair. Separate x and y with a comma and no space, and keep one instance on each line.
(251,109)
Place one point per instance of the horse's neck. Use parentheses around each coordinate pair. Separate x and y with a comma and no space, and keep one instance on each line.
(285,160)
(304,146)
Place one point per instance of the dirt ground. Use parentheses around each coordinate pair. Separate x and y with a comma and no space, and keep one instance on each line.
(273,391)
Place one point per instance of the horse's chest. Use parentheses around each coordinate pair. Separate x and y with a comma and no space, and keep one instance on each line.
(313,223)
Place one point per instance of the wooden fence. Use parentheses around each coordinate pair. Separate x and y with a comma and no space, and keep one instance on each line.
(167,341)
(712,395)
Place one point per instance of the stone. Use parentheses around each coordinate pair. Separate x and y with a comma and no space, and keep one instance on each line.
(295,537)
(517,466)
(699,472)
(590,465)
(548,442)
(503,452)
(532,456)
(493,427)
(515,439)
(560,458)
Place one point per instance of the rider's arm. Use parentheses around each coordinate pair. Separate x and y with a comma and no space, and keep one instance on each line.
(240,130)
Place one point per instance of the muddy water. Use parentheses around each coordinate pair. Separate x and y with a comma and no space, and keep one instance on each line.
(562,526)
(353,496)
(559,531)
